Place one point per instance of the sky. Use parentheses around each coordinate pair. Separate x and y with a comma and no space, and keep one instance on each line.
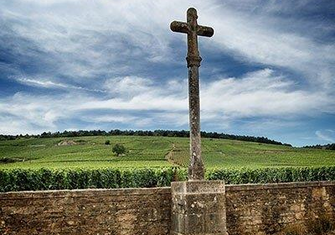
(115,64)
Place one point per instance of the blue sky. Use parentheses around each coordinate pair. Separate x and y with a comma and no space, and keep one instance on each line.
(78,64)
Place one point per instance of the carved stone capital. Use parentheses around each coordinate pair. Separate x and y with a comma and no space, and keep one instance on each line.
(193,61)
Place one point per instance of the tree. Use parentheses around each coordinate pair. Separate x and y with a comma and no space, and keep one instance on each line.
(119,149)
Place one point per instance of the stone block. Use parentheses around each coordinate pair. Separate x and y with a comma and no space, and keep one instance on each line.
(198,207)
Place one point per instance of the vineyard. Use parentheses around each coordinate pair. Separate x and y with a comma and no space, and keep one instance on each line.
(88,162)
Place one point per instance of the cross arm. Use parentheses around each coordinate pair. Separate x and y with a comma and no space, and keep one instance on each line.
(180,27)
(205,31)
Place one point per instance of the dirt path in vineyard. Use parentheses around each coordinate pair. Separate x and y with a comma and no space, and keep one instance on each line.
(168,156)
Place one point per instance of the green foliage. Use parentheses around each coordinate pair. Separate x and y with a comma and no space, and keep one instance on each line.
(7,160)
(40,164)
(238,154)
(151,151)
(271,175)
(107,142)
(44,179)
(318,146)
(119,149)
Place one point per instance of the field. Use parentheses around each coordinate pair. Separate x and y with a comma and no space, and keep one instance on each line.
(146,151)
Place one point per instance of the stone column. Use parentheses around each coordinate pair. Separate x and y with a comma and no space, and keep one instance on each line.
(198,208)
(196,169)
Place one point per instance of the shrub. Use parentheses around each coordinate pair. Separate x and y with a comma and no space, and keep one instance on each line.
(272,175)
(7,160)
(43,179)
(107,142)
(119,149)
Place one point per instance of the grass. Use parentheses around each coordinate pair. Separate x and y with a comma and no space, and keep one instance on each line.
(144,151)
(237,154)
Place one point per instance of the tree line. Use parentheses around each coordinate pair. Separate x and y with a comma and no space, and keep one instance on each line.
(318,146)
(168,133)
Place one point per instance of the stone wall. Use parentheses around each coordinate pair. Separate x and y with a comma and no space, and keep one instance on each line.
(125,211)
(250,209)
(267,209)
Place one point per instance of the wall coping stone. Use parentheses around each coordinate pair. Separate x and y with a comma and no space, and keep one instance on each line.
(247,187)
(147,191)
(78,193)
(198,187)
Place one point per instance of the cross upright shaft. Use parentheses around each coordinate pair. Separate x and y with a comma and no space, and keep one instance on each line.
(196,170)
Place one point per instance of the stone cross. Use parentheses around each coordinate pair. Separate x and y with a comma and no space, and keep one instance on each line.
(196,170)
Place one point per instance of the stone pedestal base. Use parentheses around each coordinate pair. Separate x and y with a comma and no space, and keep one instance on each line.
(198,207)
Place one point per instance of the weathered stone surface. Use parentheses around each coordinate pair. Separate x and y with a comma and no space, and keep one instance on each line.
(121,211)
(251,209)
(268,208)
(196,170)
(198,207)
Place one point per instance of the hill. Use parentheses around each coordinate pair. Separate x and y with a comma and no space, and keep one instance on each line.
(152,151)
(169,133)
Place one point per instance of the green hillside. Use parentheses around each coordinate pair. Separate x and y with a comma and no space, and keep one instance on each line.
(147,151)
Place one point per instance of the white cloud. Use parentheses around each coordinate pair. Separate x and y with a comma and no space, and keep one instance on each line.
(259,94)
(110,118)
(129,85)
(90,38)
(263,38)
(40,83)
(262,93)
(104,46)
(25,113)
(326,135)
(50,84)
